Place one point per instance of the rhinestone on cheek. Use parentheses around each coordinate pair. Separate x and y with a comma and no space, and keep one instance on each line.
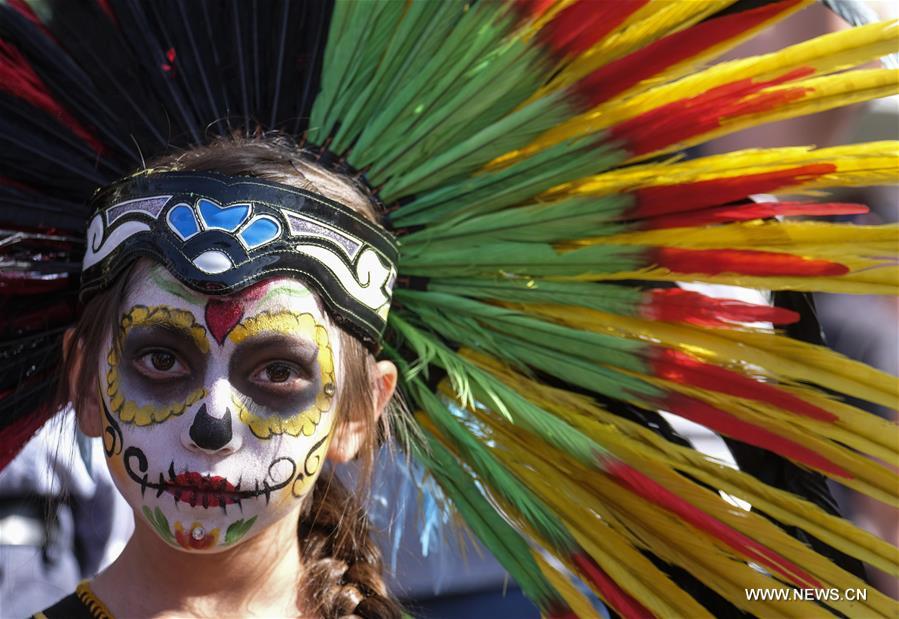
(198,533)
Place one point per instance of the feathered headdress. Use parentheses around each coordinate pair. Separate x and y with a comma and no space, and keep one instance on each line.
(526,152)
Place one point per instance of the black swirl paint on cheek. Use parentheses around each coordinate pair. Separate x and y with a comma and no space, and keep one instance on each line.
(318,457)
(310,468)
(112,431)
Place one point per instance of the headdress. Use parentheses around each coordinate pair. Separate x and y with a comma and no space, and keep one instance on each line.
(526,154)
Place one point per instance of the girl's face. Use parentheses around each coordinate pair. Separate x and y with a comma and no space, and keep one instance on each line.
(217,411)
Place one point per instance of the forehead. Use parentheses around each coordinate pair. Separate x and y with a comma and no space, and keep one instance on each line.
(154,285)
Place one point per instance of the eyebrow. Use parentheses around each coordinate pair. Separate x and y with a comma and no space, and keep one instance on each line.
(181,321)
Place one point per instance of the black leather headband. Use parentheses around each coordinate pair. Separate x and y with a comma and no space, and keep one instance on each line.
(218,234)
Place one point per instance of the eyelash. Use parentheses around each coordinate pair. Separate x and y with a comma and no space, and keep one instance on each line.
(146,364)
(295,371)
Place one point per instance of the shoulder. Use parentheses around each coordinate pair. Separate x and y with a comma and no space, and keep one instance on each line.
(82,604)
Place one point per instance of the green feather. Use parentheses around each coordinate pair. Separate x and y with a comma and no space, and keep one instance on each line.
(496,396)
(521,259)
(571,219)
(505,543)
(485,464)
(418,103)
(517,129)
(423,29)
(577,357)
(514,184)
(612,298)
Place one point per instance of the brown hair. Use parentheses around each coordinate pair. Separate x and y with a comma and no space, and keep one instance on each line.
(343,571)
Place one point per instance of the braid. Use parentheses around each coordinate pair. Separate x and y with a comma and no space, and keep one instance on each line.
(342,563)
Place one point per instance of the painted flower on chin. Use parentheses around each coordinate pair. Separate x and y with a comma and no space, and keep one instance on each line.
(186,540)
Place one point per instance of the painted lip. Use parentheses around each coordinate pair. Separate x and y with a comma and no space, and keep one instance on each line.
(195,489)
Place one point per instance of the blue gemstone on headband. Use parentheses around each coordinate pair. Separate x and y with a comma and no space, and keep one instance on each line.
(182,220)
(261,230)
(227,218)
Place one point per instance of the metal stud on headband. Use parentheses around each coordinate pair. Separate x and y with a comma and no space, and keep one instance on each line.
(218,234)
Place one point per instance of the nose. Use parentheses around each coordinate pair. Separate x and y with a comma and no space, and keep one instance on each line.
(212,434)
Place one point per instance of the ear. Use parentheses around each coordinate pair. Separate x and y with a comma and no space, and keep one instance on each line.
(351,434)
(89,414)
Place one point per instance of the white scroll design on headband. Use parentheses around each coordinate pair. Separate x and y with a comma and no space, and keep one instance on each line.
(99,247)
(368,285)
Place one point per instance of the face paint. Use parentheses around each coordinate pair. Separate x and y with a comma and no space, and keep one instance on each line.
(139,329)
(217,411)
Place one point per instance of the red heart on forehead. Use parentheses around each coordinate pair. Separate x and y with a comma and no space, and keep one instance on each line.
(223,313)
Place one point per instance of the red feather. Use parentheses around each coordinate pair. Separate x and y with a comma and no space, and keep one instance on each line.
(582,24)
(668,199)
(19,79)
(618,76)
(752,210)
(727,424)
(15,282)
(677,121)
(743,262)
(619,599)
(647,488)
(681,368)
(561,613)
(676,305)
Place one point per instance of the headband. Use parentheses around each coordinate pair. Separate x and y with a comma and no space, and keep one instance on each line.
(219,234)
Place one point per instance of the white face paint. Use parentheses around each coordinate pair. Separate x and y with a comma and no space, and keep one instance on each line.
(217,411)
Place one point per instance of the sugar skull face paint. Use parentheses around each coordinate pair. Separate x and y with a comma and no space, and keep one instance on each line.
(217,411)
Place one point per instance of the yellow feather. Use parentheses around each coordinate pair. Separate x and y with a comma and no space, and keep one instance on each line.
(576,600)
(868,476)
(611,431)
(779,357)
(776,236)
(864,250)
(857,164)
(633,442)
(679,70)
(608,546)
(648,24)
(651,527)
(823,93)
(826,54)
(829,53)
(882,281)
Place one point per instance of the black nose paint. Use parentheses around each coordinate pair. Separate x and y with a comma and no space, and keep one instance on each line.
(211,433)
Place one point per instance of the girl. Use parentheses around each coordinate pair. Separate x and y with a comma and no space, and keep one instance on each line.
(217,415)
